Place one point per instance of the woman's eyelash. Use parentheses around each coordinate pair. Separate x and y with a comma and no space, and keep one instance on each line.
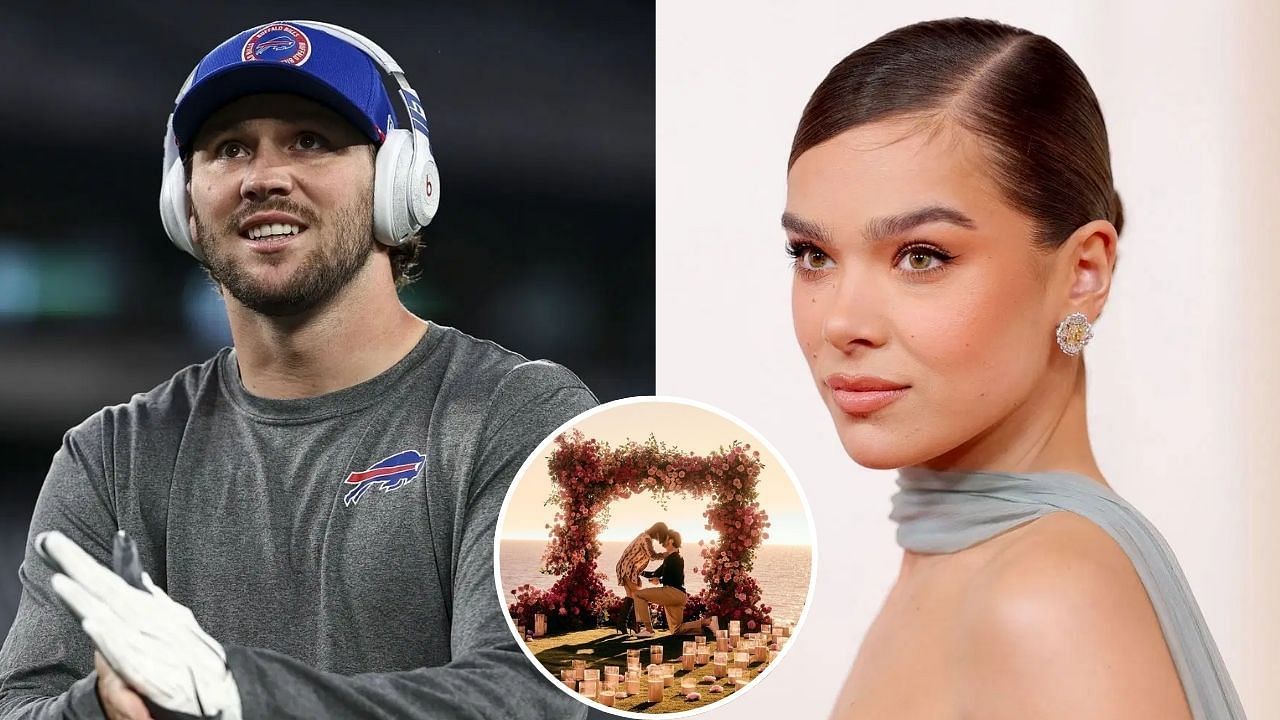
(915,247)
(797,248)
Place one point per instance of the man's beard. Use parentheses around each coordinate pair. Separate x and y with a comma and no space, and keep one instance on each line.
(326,269)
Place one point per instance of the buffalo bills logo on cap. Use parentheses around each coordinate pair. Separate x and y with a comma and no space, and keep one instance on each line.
(279,42)
(388,473)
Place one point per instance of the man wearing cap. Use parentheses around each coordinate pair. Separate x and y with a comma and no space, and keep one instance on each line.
(314,507)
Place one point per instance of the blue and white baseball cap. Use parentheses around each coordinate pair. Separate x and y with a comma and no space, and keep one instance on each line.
(287,57)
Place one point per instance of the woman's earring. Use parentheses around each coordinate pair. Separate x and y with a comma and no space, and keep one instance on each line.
(1074,333)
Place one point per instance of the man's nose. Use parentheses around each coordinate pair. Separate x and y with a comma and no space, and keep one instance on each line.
(268,173)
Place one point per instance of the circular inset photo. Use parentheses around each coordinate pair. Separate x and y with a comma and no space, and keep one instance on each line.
(655,556)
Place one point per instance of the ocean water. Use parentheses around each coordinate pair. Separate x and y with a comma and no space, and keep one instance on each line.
(781,570)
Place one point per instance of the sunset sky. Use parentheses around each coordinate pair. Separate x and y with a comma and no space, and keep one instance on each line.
(682,426)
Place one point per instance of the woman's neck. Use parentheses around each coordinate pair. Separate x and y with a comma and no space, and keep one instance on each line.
(1049,432)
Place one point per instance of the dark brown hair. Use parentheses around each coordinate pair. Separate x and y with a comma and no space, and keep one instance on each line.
(1019,93)
(658,531)
(404,261)
(674,537)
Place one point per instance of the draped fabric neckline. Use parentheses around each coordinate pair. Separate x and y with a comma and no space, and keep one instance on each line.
(947,511)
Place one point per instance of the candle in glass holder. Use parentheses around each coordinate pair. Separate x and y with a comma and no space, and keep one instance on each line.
(741,659)
(579,669)
(735,676)
(566,677)
(720,661)
(773,655)
(606,698)
(633,682)
(688,684)
(686,662)
(700,641)
(592,674)
(633,653)
(766,629)
(539,625)
(655,689)
(702,656)
(735,627)
(588,688)
(759,653)
(655,653)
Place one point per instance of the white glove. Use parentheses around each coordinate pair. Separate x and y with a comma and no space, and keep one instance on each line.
(154,643)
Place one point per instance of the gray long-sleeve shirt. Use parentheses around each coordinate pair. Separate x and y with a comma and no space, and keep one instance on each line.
(332,601)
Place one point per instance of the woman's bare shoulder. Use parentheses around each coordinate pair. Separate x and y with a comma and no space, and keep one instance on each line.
(1057,624)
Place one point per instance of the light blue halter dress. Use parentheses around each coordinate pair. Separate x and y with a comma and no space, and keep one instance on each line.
(944,512)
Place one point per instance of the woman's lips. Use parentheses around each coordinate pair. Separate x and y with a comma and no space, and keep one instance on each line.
(863,394)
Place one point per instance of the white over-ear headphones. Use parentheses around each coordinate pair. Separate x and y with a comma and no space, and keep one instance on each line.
(406,186)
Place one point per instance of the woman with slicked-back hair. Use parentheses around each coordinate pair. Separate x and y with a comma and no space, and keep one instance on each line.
(953,222)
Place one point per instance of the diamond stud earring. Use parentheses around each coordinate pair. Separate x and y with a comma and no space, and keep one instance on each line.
(1074,333)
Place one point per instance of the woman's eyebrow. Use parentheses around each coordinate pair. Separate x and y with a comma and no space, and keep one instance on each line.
(807,228)
(879,228)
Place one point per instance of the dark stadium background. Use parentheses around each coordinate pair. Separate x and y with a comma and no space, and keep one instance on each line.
(542,122)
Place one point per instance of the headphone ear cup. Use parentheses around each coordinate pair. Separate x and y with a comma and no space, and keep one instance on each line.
(391,221)
(173,209)
(424,195)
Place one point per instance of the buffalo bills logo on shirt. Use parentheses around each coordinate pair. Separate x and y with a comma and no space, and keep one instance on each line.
(388,474)
(279,43)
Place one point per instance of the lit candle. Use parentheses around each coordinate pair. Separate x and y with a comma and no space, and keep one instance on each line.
(741,659)
(702,656)
(655,653)
(566,677)
(588,688)
(579,669)
(593,674)
(539,625)
(735,676)
(720,662)
(611,671)
(686,662)
(655,689)
(735,627)
(633,683)
(606,698)
(766,629)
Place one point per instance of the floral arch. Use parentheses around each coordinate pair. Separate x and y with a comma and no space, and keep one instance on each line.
(588,475)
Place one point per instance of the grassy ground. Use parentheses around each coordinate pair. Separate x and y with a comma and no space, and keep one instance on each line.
(603,647)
